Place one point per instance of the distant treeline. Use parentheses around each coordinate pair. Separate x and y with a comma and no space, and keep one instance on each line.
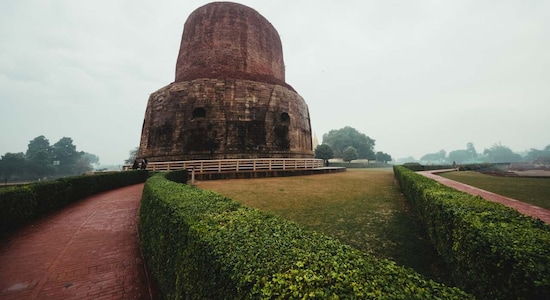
(498,153)
(44,161)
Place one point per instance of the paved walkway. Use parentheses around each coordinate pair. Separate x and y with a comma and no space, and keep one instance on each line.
(522,207)
(89,250)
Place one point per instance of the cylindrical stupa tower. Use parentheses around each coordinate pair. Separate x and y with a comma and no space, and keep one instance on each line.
(229,98)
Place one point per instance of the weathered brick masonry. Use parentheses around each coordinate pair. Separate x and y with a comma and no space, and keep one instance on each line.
(230,98)
(229,40)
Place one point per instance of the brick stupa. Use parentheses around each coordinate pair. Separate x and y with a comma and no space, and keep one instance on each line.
(229,99)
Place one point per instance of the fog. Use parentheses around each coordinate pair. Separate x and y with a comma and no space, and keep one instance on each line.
(415,76)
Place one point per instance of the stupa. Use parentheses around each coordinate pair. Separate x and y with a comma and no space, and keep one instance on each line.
(229,99)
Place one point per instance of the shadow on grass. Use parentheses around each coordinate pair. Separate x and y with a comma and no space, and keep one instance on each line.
(390,233)
(410,247)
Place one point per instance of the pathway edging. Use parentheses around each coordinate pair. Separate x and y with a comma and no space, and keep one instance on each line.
(522,207)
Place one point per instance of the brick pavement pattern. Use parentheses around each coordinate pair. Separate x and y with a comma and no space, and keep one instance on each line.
(88,250)
(522,207)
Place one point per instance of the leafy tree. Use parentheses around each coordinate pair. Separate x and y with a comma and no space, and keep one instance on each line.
(65,156)
(470,148)
(539,156)
(501,154)
(61,159)
(460,156)
(11,165)
(39,157)
(463,155)
(383,157)
(438,157)
(349,154)
(132,156)
(85,162)
(324,152)
(92,159)
(348,136)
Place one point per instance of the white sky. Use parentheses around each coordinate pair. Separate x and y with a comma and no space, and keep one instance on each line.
(416,76)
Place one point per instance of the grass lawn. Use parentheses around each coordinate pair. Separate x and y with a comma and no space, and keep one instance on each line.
(360,207)
(534,191)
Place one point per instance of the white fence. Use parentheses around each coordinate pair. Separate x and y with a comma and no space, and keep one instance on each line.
(235,165)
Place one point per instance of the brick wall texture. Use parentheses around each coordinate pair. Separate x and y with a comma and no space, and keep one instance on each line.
(230,98)
(224,39)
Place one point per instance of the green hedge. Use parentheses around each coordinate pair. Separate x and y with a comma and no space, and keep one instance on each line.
(180,176)
(22,204)
(359,165)
(201,245)
(463,167)
(495,252)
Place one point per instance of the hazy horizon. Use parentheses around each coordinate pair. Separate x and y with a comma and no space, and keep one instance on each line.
(417,77)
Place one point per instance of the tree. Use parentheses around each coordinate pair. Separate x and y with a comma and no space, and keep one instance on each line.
(383,157)
(539,156)
(348,136)
(470,148)
(65,156)
(324,152)
(92,159)
(85,162)
(39,157)
(349,154)
(438,157)
(463,155)
(42,160)
(460,156)
(12,165)
(132,156)
(501,154)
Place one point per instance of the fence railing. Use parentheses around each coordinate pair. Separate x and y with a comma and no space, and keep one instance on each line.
(234,165)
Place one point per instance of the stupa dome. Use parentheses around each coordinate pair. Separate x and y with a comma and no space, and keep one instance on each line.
(229,40)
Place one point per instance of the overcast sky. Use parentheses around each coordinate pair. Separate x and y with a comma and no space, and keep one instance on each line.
(416,76)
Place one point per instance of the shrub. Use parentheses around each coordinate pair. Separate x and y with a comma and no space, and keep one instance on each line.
(180,176)
(201,245)
(495,252)
(23,204)
(414,166)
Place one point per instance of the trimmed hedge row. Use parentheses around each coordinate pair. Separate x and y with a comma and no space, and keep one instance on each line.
(359,165)
(201,245)
(466,167)
(22,204)
(179,176)
(495,252)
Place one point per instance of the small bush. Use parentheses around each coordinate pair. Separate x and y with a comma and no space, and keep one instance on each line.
(23,204)
(495,252)
(414,166)
(201,245)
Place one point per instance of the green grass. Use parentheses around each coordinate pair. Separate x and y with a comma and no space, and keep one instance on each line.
(535,191)
(360,207)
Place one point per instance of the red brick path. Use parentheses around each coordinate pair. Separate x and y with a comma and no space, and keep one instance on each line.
(89,250)
(522,207)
